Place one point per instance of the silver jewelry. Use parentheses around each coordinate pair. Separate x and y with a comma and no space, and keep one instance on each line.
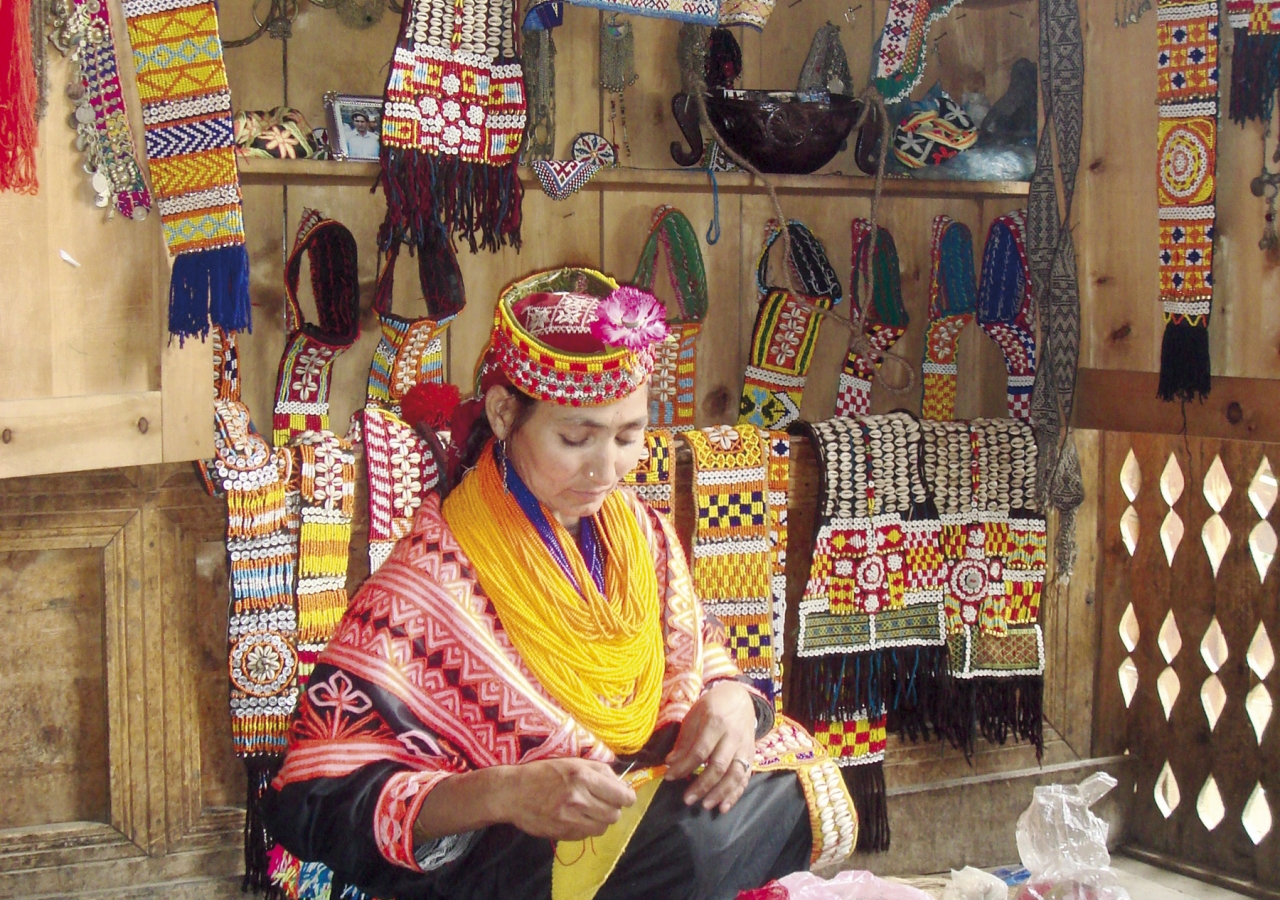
(746,766)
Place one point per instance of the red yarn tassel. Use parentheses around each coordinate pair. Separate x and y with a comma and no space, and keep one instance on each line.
(18,130)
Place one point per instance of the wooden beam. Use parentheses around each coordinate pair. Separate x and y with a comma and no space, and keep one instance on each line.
(1242,409)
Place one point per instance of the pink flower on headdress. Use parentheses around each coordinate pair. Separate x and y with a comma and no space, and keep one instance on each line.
(631,318)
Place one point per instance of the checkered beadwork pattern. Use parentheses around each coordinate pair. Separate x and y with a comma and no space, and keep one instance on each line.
(1006,311)
(886,319)
(653,478)
(857,740)
(327,491)
(1187,138)
(739,541)
(782,343)
(186,108)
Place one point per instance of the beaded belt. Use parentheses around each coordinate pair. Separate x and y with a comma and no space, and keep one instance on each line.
(739,542)
(1005,308)
(951,308)
(653,478)
(672,392)
(306,368)
(886,318)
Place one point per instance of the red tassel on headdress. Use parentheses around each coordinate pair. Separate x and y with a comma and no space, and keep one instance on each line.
(18,130)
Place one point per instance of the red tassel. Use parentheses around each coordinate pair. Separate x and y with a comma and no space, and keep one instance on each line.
(430,404)
(18,131)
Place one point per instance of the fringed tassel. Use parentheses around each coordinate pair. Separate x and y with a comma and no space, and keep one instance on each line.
(1010,706)
(1184,361)
(19,98)
(209,285)
(259,771)
(914,691)
(1255,74)
(430,198)
(870,799)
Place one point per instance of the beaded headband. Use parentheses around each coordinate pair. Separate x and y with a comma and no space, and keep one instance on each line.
(951,309)
(1006,311)
(885,318)
(584,309)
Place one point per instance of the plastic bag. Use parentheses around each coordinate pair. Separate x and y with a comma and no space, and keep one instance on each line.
(974,884)
(1065,845)
(848,885)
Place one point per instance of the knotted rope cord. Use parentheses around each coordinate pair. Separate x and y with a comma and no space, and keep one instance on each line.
(856,322)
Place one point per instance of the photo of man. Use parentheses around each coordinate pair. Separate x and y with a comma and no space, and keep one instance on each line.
(361,140)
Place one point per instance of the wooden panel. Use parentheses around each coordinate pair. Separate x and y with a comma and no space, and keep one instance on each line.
(71,433)
(54,749)
(222,779)
(1238,409)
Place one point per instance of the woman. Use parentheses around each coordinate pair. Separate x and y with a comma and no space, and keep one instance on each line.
(534,640)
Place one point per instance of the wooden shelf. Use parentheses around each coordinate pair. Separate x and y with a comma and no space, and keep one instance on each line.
(364,174)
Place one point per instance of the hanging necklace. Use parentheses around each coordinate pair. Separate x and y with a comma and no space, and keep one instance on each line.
(617,73)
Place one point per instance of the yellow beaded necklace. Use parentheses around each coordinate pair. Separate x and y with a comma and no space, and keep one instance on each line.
(600,657)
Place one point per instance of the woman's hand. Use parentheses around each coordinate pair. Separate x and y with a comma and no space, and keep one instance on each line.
(719,731)
(564,799)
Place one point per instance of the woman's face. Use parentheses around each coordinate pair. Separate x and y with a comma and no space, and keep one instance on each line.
(571,458)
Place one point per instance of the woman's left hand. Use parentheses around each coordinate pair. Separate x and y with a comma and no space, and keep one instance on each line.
(720,732)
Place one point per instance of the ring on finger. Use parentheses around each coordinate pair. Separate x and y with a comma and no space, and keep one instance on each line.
(746,765)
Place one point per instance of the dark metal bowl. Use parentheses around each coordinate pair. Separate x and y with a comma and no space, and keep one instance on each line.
(776,131)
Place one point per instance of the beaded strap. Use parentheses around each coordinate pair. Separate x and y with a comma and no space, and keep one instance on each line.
(83,33)
(1005,308)
(808,263)
(952,300)
(672,390)
(782,345)
(736,541)
(653,478)
(306,368)
(328,484)
(885,317)
(402,470)
(262,629)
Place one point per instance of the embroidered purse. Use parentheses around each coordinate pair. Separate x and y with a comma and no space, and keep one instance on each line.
(1005,308)
(952,300)
(785,331)
(672,386)
(886,319)
(306,368)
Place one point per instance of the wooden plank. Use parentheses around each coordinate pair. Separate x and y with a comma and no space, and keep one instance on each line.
(1238,408)
(67,434)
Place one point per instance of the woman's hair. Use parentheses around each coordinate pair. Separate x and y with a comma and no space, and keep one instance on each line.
(481,431)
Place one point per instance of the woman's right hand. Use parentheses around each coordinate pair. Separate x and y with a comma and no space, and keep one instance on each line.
(564,799)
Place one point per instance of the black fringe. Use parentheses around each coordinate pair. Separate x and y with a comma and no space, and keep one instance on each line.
(1255,74)
(259,771)
(866,785)
(1010,706)
(1184,362)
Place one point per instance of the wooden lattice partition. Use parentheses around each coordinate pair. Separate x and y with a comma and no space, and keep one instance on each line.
(1190,626)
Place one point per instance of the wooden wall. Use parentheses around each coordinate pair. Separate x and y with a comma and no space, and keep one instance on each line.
(605,227)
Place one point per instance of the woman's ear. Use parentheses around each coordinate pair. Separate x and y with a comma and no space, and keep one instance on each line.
(500,407)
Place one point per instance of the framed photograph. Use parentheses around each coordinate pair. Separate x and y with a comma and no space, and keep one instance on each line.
(355,125)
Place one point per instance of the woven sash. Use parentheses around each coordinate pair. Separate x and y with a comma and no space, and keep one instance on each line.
(886,318)
(306,368)
(901,51)
(739,542)
(951,308)
(785,331)
(653,478)
(1005,308)
(672,386)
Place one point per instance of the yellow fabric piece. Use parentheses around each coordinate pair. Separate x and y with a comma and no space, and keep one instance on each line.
(601,657)
(581,868)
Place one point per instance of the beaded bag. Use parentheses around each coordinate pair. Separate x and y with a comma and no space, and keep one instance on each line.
(886,318)
(952,301)
(672,385)
(785,331)
(306,368)
(1006,310)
